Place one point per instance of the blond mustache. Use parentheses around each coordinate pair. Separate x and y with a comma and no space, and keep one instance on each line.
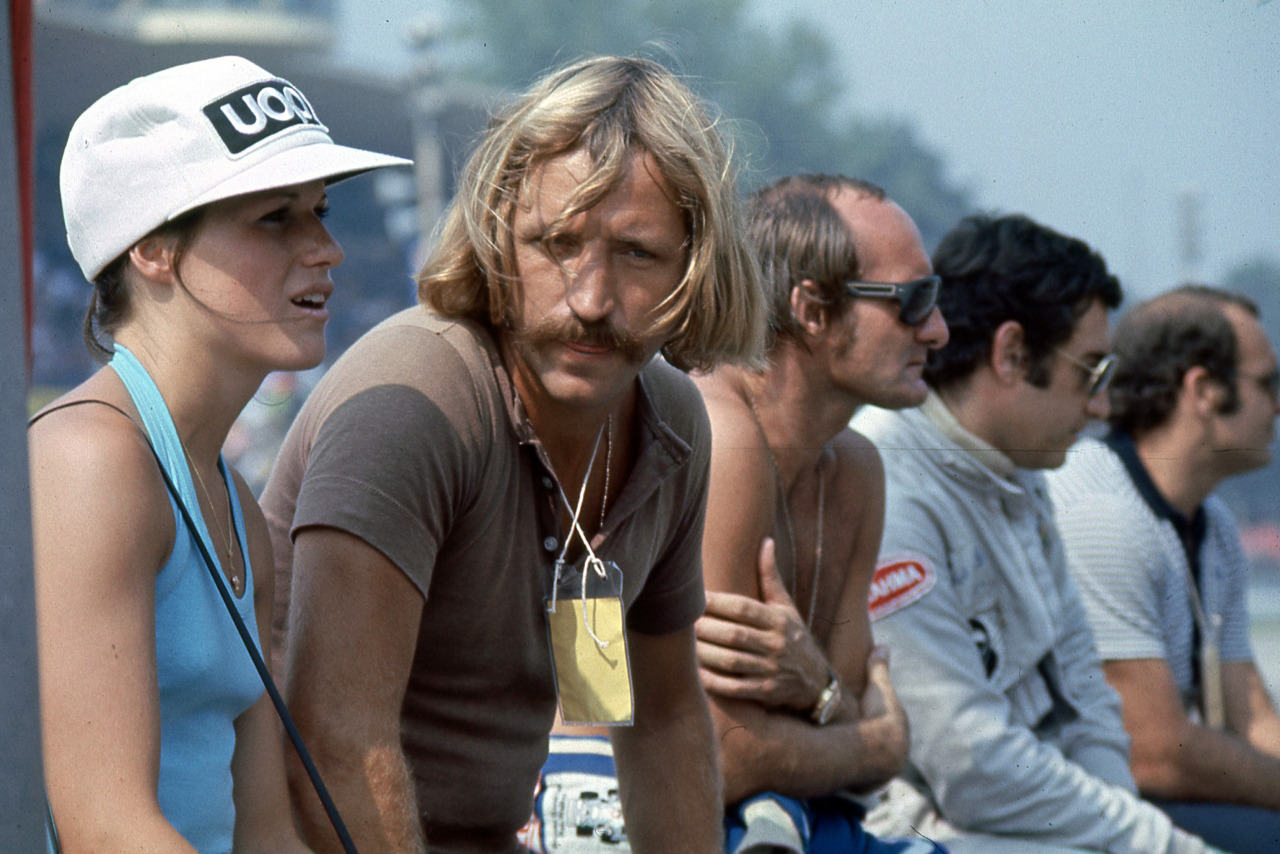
(573,331)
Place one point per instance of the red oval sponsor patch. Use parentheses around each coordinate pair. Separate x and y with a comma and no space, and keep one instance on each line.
(898,582)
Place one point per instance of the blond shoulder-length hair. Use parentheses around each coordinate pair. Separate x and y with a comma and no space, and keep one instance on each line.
(612,107)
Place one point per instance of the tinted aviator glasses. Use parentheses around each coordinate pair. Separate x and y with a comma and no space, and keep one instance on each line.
(916,298)
(1099,375)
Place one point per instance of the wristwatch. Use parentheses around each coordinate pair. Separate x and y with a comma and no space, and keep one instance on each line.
(828,701)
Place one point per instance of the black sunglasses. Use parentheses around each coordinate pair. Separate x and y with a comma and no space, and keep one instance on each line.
(916,298)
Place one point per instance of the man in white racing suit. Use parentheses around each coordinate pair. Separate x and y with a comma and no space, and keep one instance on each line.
(1016,739)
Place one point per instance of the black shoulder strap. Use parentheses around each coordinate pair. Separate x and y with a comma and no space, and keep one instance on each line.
(70,403)
(294,736)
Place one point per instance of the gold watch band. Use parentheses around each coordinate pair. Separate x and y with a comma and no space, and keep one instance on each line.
(828,701)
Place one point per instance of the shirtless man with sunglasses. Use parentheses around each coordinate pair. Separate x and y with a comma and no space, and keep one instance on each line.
(802,704)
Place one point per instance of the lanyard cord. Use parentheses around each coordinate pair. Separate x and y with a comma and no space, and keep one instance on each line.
(329,807)
(1211,699)
(592,563)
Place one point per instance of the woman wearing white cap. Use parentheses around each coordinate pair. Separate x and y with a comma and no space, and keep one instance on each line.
(194,200)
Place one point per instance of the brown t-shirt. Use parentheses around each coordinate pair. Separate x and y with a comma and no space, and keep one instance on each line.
(416,442)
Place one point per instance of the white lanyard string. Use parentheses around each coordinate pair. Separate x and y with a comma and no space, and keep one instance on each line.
(1211,696)
(592,563)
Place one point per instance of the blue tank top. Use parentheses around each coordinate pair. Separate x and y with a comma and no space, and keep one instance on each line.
(206,676)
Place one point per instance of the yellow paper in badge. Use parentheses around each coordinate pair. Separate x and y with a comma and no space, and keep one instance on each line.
(593,678)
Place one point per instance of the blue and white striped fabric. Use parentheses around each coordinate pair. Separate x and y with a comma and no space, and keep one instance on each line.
(1131,570)
(576,810)
(770,823)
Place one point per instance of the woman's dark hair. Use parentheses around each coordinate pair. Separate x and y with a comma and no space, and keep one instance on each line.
(109,302)
(996,269)
(1160,340)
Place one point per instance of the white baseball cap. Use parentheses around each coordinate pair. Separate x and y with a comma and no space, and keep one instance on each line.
(169,142)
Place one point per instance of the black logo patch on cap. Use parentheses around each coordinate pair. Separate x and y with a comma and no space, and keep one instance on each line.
(259,111)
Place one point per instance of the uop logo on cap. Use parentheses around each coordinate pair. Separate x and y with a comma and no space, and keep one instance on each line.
(258,111)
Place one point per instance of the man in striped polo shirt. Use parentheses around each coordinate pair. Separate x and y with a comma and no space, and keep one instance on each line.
(1159,564)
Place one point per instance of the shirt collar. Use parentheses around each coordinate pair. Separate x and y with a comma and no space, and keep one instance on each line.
(941,418)
(1122,444)
(660,452)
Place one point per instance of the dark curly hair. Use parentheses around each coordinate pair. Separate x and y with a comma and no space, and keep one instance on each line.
(996,269)
(1157,342)
(798,235)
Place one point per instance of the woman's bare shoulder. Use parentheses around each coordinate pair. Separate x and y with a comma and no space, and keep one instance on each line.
(92,470)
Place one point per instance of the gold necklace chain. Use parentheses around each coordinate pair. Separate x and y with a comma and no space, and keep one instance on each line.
(786,517)
(608,464)
(237,583)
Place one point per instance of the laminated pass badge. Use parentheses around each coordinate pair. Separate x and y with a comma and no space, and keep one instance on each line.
(588,633)
(589,644)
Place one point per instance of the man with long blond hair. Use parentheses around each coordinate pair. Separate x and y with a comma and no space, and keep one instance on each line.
(492,506)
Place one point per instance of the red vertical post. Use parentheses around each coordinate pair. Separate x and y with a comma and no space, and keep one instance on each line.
(24,127)
(22,800)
